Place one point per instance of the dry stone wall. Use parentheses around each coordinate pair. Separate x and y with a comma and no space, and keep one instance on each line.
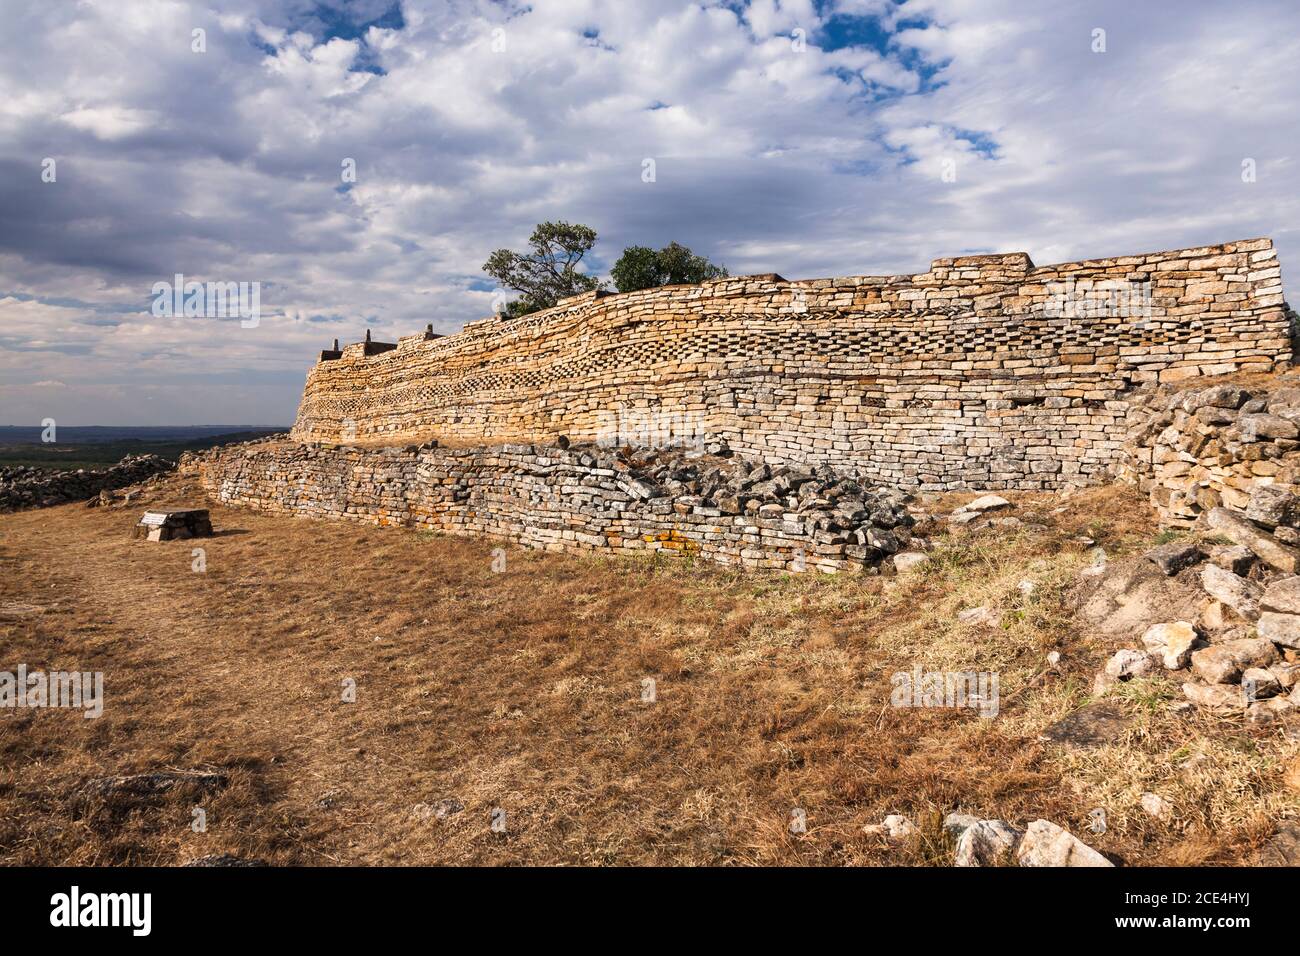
(717,507)
(1193,450)
(984,372)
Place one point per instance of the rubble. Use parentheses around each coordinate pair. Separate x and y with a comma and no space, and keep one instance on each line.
(23,486)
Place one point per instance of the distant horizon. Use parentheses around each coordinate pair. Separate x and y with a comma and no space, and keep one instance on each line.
(240,427)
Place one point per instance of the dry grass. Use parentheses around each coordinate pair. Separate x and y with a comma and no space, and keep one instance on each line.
(521,690)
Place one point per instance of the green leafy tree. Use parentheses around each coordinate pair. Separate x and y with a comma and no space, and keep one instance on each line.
(548,272)
(640,267)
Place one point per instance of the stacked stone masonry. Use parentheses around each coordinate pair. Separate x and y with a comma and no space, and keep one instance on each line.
(681,503)
(984,372)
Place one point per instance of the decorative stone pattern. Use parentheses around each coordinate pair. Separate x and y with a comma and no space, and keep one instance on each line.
(715,507)
(984,372)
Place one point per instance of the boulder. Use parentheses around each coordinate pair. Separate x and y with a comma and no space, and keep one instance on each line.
(1046,844)
(1238,593)
(987,843)
(1224,663)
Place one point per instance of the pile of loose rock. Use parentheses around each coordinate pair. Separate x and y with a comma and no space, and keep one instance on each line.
(27,487)
(1242,650)
(1196,450)
(997,842)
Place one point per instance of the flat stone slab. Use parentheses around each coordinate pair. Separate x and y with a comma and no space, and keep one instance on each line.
(1090,726)
(174,525)
(1284,848)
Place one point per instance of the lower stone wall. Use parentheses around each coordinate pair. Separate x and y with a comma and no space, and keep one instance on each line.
(714,506)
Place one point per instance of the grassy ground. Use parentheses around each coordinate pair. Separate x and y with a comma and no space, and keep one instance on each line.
(521,691)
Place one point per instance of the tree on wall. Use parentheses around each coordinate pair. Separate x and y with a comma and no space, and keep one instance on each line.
(640,267)
(549,271)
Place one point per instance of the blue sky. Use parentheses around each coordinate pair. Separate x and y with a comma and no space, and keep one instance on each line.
(806,138)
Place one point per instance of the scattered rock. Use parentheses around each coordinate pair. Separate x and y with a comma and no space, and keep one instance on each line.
(1046,844)
(1267,711)
(1157,806)
(1260,683)
(1215,696)
(24,486)
(1287,674)
(1174,556)
(1263,426)
(984,504)
(955,824)
(1233,558)
(906,561)
(1241,530)
(1238,593)
(1174,641)
(895,828)
(1282,596)
(1291,776)
(979,615)
(225,859)
(1127,664)
(1273,505)
(1281,629)
(1223,663)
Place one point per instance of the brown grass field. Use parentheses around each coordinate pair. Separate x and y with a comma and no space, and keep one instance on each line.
(521,690)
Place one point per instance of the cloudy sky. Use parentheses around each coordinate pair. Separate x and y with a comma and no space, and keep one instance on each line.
(806,137)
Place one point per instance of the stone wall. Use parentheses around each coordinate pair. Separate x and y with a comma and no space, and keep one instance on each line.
(1195,449)
(717,507)
(984,372)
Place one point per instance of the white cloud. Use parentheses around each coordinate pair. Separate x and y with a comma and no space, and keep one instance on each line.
(226,165)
